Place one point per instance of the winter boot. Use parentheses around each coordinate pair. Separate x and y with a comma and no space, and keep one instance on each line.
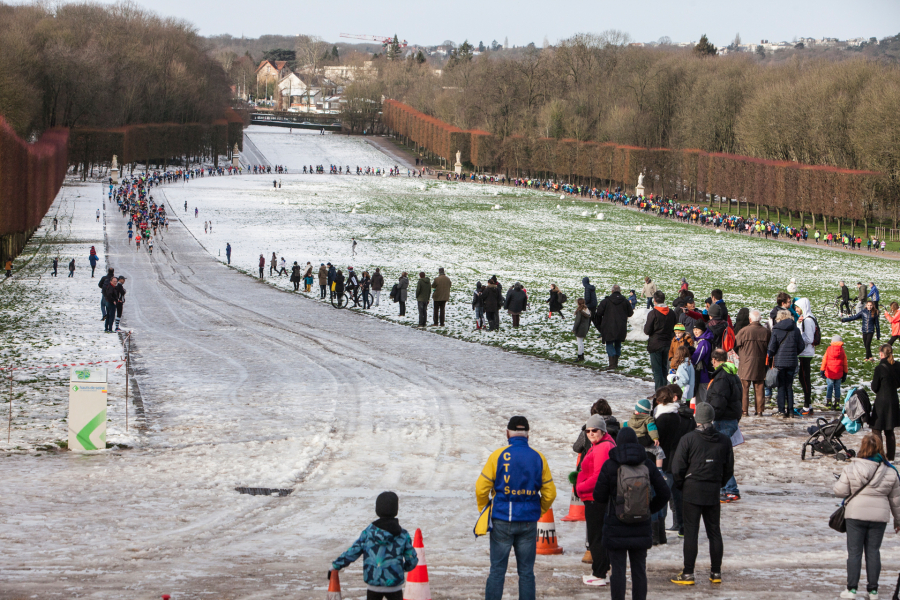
(661,528)
(654,530)
(580,358)
(587,558)
(613,363)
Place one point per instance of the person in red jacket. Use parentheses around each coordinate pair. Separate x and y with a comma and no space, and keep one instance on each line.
(601,444)
(834,370)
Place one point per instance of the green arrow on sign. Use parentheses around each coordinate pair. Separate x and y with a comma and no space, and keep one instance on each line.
(84,436)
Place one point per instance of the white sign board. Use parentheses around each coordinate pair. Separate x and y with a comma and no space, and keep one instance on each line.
(87,409)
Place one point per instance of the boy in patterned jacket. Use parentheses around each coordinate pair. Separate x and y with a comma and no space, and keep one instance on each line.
(388,550)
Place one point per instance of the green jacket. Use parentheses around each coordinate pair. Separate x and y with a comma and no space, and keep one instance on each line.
(423,290)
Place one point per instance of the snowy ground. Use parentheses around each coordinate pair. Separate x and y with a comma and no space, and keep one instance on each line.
(475,231)
(48,320)
(246,385)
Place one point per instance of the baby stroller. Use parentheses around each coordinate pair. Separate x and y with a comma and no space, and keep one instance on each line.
(825,436)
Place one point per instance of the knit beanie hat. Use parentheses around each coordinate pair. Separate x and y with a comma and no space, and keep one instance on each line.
(679,327)
(836,338)
(705,413)
(643,406)
(387,505)
(596,422)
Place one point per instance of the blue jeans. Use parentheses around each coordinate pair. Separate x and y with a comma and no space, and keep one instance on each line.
(614,348)
(834,385)
(728,427)
(521,535)
(786,390)
(650,302)
(104,306)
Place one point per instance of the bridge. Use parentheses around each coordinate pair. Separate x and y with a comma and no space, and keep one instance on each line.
(296,120)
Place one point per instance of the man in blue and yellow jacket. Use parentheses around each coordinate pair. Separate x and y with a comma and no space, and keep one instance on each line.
(514,489)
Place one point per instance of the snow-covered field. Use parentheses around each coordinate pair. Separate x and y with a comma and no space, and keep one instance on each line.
(245,385)
(48,320)
(475,231)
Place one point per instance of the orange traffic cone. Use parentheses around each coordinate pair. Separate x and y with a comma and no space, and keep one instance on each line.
(576,506)
(694,405)
(546,542)
(334,587)
(417,587)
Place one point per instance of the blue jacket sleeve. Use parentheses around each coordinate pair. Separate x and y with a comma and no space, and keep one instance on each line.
(409,556)
(858,315)
(352,553)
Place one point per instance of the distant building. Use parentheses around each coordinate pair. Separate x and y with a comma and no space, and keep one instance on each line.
(269,70)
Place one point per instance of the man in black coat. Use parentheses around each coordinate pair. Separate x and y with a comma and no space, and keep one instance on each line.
(725,396)
(660,327)
(611,319)
(628,540)
(672,426)
(845,299)
(703,463)
(112,297)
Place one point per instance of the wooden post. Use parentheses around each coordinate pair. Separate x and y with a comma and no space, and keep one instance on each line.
(127,366)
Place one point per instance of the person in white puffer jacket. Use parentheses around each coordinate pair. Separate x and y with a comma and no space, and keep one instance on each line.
(868,514)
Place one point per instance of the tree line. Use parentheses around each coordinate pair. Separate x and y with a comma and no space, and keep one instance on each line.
(843,114)
(95,65)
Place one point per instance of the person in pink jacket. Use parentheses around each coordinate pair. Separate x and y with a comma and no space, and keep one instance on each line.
(601,444)
(893,317)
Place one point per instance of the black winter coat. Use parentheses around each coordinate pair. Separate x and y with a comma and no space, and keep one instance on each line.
(660,326)
(555,304)
(785,345)
(724,395)
(886,410)
(618,535)
(295,274)
(590,294)
(491,298)
(703,463)
(516,301)
(671,428)
(612,315)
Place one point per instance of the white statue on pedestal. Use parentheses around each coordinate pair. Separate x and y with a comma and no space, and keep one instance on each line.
(235,153)
(114,169)
(641,179)
(458,165)
(639,190)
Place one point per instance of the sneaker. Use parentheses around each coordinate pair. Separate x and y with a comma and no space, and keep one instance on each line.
(595,581)
(683,579)
(715,577)
(848,593)
(732,497)
(807,410)
(872,595)
(673,527)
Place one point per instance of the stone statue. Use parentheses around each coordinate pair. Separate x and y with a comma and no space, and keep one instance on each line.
(458,154)
(115,163)
(641,179)
(235,151)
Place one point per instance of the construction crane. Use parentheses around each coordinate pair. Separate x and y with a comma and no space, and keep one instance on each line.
(384,41)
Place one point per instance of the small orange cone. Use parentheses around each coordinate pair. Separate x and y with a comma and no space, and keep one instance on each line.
(576,506)
(334,587)
(417,587)
(694,405)
(546,542)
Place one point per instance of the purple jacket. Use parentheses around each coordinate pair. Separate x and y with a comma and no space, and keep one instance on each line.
(702,356)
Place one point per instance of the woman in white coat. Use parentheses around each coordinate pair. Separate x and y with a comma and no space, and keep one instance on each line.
(868,514)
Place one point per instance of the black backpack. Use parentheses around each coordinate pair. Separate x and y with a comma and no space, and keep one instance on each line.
(633,493)
(562,298)
(817,336)
(394,294)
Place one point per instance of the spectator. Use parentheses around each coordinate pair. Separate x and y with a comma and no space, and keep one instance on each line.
(601,443)
(441,295)
(834,371)
(751,345)
(423,295)
(323,280)
(871,491)
(72,268)
(724,396)
(492,302)
(402,291)
(612,314)
(228,252)
(517,484)
(377,285)
(886,408)
(784,348)
(867,318)
(590,295)
(629,541)
(703,463)
(649,290)
(659,327)
(674,420)
(262,265)
(517,303)
(580,326)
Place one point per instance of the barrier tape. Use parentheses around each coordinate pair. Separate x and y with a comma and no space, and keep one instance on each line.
(82,364)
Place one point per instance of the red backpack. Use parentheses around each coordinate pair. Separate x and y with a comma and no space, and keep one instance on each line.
(728,339)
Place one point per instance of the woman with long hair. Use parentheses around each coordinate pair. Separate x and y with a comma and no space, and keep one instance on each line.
(685,375)
(893,317)
(886,409)
(581,326)
(877,487)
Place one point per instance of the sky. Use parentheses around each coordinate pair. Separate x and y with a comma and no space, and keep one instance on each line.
(524,21)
